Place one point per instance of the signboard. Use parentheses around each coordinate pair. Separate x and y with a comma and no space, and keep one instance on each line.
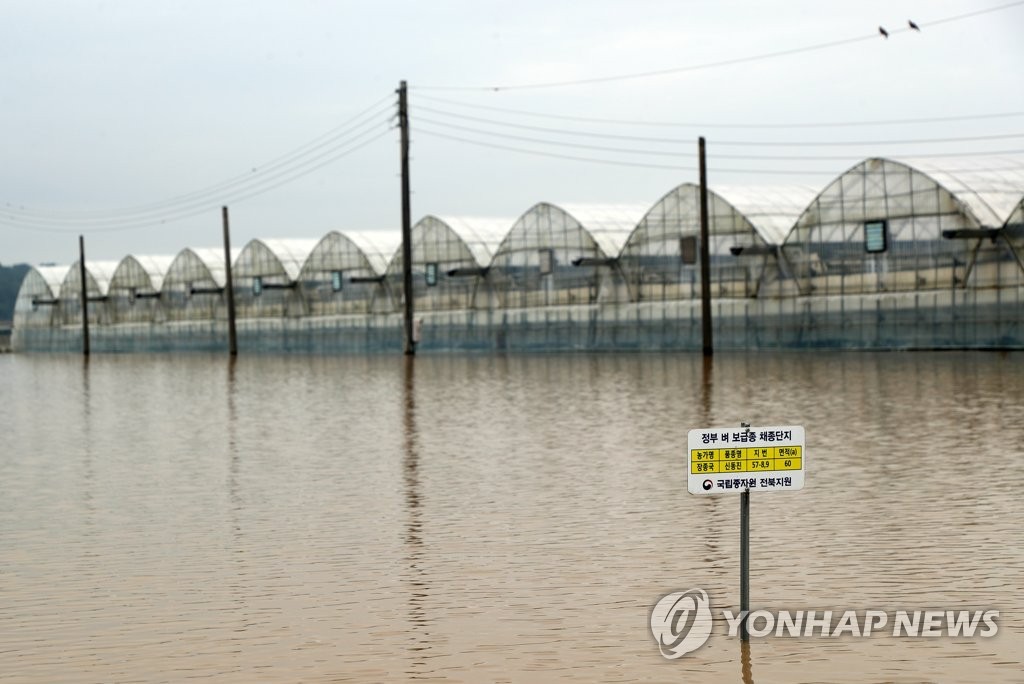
(731,460)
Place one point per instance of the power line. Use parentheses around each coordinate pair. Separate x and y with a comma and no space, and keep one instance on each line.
(294,162)
(721,63)
(868,143)
(669,124)
(187,210)
(612,162)
(678,141)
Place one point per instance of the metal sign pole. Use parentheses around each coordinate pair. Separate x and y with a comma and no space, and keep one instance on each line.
(744,558)
(731,461)
(744,562)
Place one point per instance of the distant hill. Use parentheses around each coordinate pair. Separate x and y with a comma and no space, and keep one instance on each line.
(10,282)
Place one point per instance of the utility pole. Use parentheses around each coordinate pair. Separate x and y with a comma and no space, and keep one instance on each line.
(84,296)
(229,285)
(409,346)
(705,255)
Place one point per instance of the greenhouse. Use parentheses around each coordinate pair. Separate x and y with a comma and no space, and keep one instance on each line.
(193,288)
(890,254)
(133,295)
(562,255)
(661,258)
(889,226)
(450,256)
(38,302)
(1013,232)
(345,273)
(98,275)
(265,276)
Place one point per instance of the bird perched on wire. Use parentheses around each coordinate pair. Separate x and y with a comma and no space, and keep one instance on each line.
(885,34)
(910,22)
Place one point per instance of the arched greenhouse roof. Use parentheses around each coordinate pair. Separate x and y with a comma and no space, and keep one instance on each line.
(990,187)
(1017,217)
(273,257)
(98,275)
(771,210)
(761,215)
(610,225)
(482,234)
(199,264)
(596,231)
(353,250)
(43,281)
(971,192)
(469,240)
(144,273)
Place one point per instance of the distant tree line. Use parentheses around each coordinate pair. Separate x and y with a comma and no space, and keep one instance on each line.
(10,282)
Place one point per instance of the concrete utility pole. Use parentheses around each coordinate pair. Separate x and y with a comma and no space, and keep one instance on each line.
(84,296)
(409,345)
(229,285)
(705,256)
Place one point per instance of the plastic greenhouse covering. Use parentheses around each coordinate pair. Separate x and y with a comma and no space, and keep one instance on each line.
(266,278)
(556,255)
(884,226)
(345,272)
(38,302)
(449,256)
(132,296)
(97,282)
(942,234)
(661,259)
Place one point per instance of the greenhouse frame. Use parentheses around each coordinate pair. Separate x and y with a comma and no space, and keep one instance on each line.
(890,254)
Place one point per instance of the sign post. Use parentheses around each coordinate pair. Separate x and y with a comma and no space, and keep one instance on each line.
(739,460)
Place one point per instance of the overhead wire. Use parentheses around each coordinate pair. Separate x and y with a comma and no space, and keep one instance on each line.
(716,64)
(612,162)
(718,125)
(193,208)
(679,141)
(312,155)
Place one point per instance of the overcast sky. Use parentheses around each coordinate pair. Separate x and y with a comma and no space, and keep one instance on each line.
(116,113)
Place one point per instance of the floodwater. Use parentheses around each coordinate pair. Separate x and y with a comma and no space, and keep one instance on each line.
(490,519)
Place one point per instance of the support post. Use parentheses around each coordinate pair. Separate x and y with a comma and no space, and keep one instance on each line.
(705,255)
(744,563)
(744,559)
(229,285)
(84,295)
(409,345)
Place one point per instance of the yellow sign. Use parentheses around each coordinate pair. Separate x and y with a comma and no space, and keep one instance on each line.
(725,460)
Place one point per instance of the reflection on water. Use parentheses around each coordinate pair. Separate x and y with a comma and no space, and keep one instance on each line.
(746,666)
(488,518)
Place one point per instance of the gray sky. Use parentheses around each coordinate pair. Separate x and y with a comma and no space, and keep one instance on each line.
(114,104)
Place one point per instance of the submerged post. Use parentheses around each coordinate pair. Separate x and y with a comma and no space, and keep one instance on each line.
(744,558)
(229,285)
(409,345)
(744,562)
(84,296)
(705,255)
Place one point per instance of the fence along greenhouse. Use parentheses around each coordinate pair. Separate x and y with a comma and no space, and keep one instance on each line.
(891,254)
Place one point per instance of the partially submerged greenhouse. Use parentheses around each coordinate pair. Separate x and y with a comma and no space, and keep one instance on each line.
(891,254)
(890,226)
(561,255)
(661,258)
(134,290)
(450,256)
(346,274)
(98,275)
(194,285)
(266,278)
